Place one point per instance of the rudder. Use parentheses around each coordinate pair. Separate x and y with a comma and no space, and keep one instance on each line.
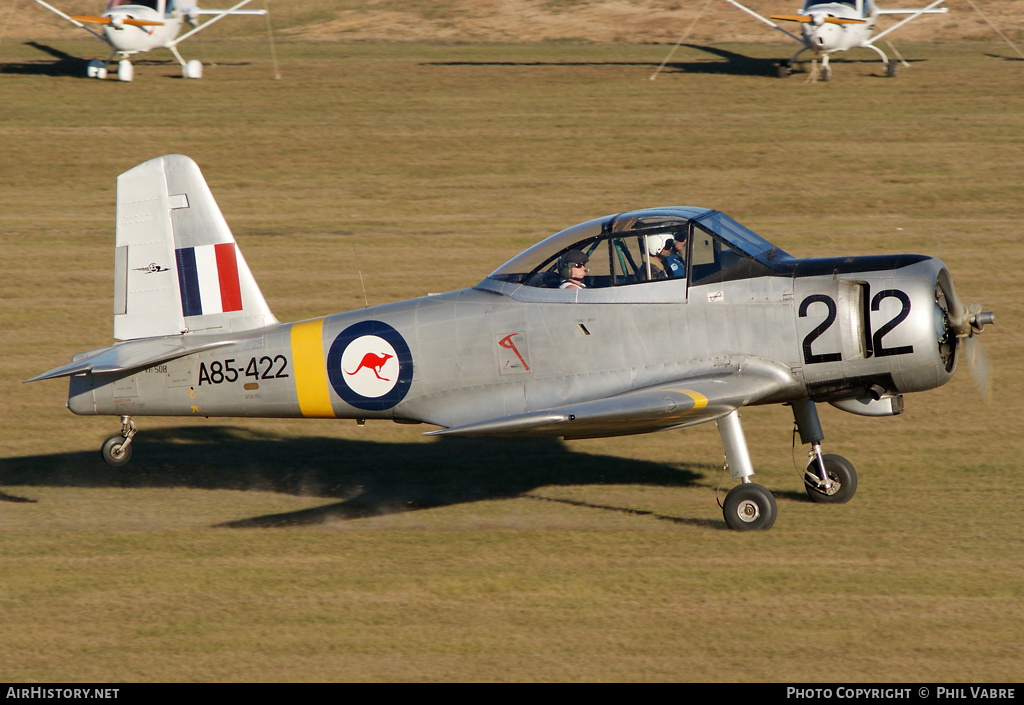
(177,268)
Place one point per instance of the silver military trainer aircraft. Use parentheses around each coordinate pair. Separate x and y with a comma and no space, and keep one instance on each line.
(588,333)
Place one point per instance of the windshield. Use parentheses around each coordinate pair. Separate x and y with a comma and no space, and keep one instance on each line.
(642,246)
(808,4)
(152,4)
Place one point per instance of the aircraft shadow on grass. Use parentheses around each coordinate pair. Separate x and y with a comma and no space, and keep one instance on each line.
(65,64)
(367,478)
(68,65)
(729,62)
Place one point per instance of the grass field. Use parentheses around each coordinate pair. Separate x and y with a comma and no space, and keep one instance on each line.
(318,551)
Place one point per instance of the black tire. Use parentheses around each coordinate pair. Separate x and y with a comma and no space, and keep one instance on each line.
(892,69)
(783,69)
(750,507)
(842,474)
(114,453)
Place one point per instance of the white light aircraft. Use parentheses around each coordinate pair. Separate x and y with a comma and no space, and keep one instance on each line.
(840,25)
(134,26)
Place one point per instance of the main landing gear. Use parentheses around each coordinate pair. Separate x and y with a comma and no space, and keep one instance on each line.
(126,71)
(117,450)
(748,506)
(827,478)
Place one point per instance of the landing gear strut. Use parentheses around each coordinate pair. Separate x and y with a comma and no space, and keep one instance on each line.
(748,506)
(827,478)
(117,450)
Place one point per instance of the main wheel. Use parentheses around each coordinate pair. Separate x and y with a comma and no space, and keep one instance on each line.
(783,70)
(748,507)
(892,69)
(840,471)
(114,451)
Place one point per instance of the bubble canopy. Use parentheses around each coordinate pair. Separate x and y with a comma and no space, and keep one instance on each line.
(619,247)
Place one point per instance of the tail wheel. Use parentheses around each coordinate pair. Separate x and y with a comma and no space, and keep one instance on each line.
(115,452)
(842,480)
(750,507)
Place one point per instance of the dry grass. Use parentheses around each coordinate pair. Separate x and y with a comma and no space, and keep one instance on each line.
(271,550)
(517,21)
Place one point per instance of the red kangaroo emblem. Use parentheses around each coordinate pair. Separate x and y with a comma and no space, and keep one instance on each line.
(372,362)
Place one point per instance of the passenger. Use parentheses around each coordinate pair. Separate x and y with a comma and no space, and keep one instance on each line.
(658,249)
(573,267)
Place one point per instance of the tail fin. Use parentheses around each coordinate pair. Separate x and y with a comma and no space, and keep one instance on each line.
(177,268)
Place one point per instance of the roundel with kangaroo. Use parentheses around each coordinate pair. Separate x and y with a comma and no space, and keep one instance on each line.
(370,366)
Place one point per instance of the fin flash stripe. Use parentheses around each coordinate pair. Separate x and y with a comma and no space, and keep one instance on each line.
(311,369)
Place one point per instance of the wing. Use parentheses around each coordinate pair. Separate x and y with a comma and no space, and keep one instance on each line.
(686,402)
(763,19)
(70,19)
(932,9)
(218,15)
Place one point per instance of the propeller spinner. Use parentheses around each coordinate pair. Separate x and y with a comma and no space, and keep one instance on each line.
(964,322)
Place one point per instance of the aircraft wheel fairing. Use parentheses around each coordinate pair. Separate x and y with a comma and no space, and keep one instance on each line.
(842,474)
(115,452)
(750,507)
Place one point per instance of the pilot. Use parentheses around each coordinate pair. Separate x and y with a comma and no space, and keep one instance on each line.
(677,257)
(573,267)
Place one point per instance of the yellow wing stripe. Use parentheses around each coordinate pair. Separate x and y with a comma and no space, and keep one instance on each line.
(699,400)
(311,369)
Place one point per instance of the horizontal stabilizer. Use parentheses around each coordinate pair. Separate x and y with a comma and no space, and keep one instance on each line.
(683,403)
(133,355)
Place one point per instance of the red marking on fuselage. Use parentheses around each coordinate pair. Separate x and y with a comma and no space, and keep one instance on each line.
(372,362)
(507,343)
